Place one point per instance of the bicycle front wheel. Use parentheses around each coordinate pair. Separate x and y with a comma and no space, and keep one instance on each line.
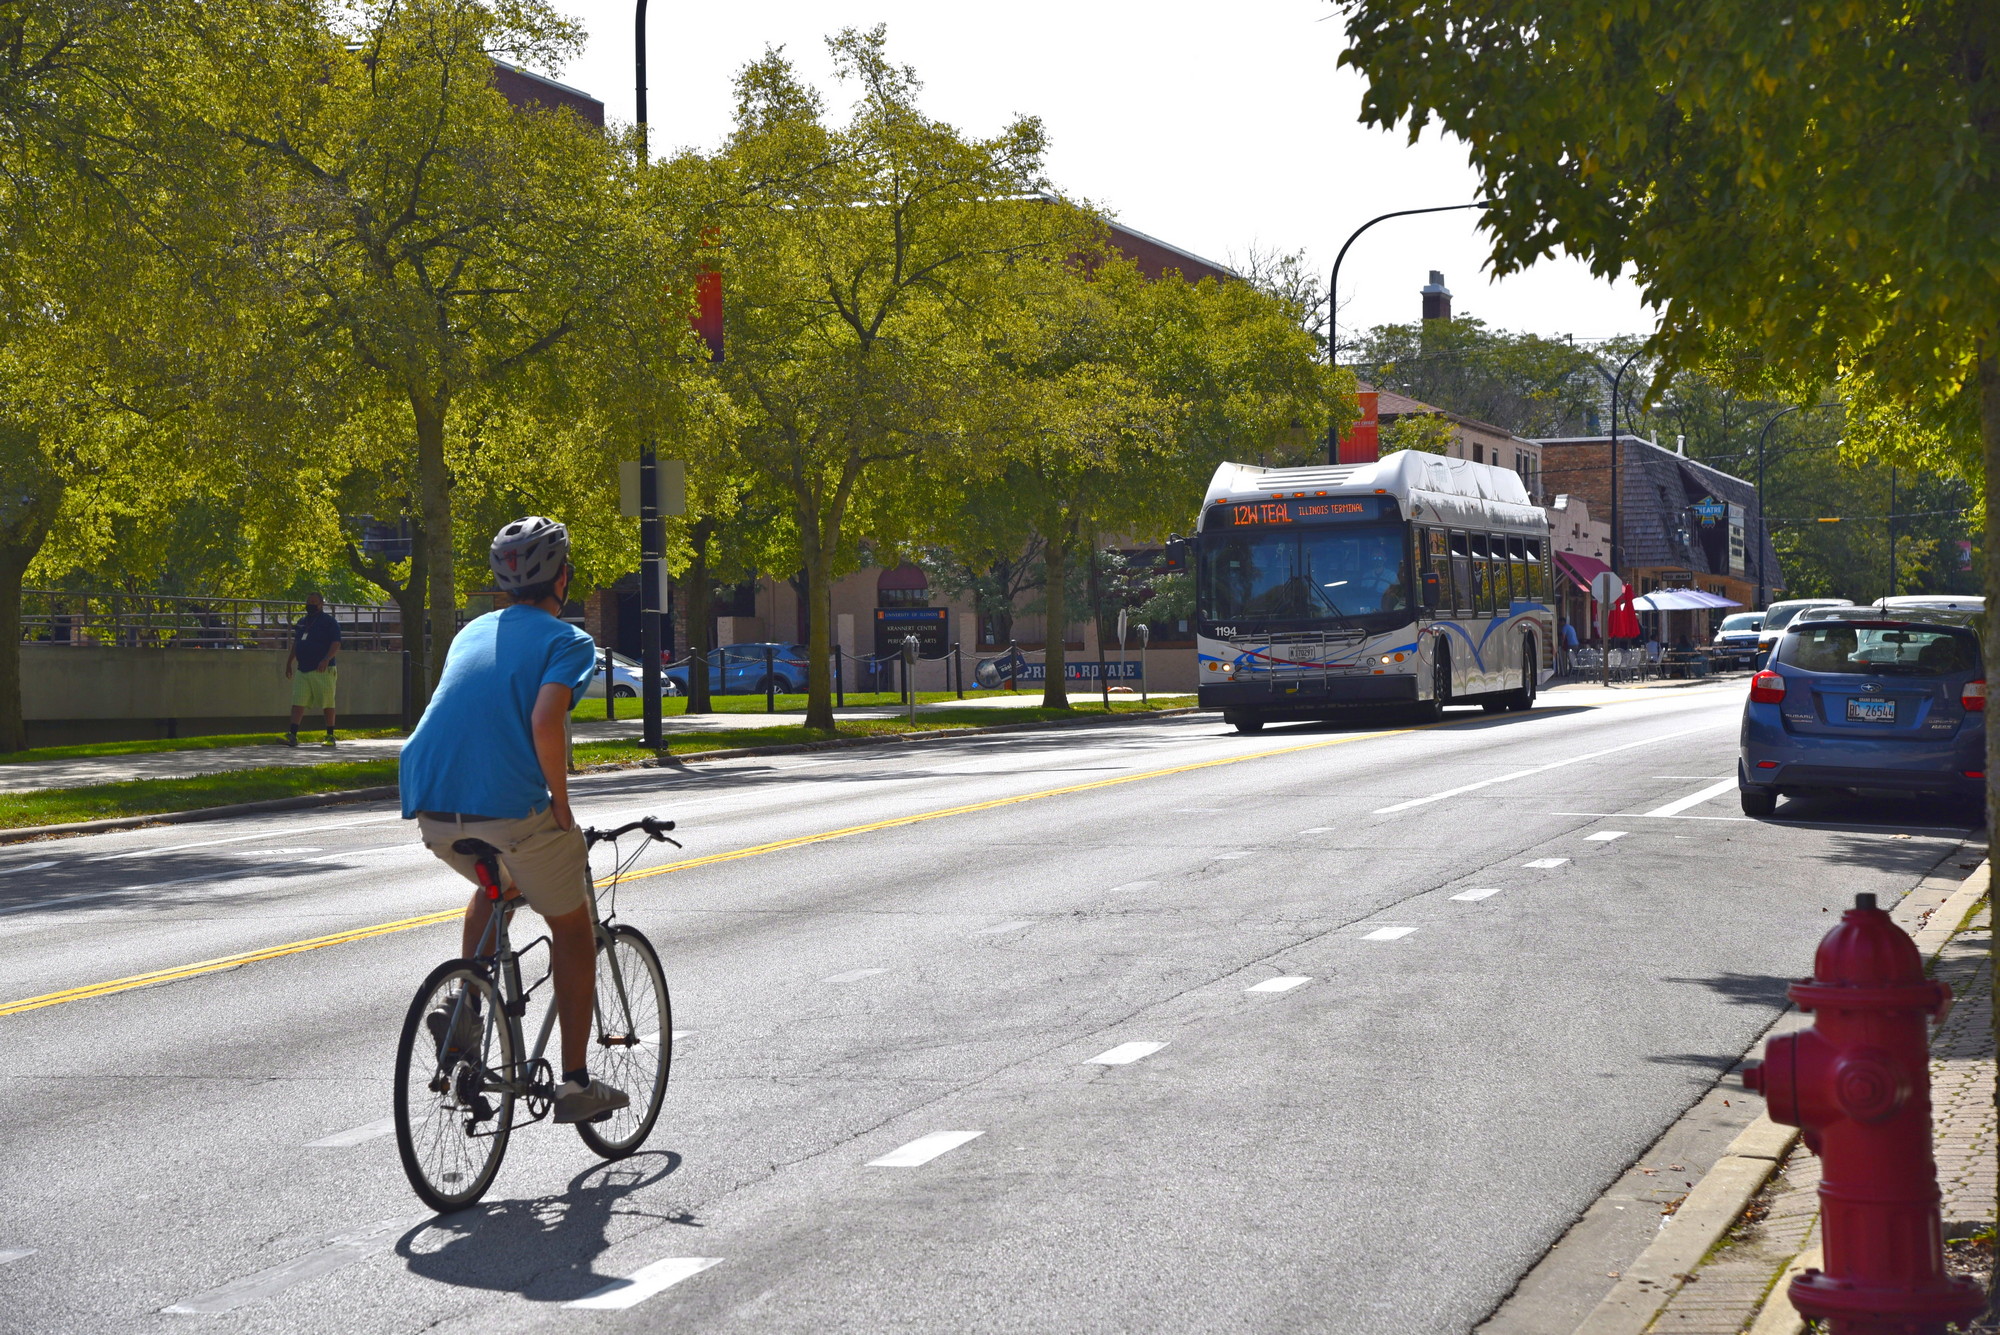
(454,1094)
(635,1040)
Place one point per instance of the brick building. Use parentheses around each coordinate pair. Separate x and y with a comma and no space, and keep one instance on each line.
(1678,524)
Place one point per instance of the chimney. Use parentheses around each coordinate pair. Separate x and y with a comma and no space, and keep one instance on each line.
(1437,298)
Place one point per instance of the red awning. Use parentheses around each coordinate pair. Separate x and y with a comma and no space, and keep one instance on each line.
(1580,569)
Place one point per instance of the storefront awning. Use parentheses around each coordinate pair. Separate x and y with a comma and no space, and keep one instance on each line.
(1681,600)
(1580,569)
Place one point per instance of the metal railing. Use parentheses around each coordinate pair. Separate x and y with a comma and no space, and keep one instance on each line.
(166,621)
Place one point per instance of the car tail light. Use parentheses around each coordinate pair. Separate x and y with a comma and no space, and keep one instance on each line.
(1768,688)
(1973,694)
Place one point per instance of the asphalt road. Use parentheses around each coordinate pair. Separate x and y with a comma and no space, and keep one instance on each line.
(1504,1003)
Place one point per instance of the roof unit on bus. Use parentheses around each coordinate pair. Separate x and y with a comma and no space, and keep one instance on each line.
(1396,474)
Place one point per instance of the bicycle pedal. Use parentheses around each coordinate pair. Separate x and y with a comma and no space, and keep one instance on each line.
(604,1116)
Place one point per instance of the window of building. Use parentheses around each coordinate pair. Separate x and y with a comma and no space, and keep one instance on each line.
(905,586)
(1477,451)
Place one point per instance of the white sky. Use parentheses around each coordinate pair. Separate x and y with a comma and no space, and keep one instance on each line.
(1216,128)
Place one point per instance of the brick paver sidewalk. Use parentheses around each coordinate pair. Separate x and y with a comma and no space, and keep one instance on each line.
(1723,1295)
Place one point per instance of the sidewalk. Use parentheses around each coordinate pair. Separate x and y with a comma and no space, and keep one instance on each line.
(1740,1286)
(85,771)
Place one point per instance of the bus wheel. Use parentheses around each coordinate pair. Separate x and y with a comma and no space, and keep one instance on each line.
(1244,722)
(1524,699)
(1431,710)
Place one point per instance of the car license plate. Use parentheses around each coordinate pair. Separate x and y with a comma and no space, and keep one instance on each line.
(1861,709)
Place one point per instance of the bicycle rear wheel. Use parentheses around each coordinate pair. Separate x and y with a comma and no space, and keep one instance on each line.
(635,1040)
(454,1107)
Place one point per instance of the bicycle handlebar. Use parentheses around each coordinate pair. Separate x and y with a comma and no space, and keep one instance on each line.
(655,828)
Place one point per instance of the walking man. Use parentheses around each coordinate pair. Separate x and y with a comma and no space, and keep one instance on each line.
(1568,646)
(315,645)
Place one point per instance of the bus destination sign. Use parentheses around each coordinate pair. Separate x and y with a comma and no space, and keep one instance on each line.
(1307,510)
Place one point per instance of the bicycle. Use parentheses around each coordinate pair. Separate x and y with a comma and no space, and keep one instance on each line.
(455,1099)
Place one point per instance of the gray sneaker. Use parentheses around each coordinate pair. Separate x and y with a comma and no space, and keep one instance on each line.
(588,1103)
(465,1033)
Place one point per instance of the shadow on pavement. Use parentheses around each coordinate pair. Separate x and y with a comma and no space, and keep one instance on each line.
(543,1249)
(1866,810)
(1742,989)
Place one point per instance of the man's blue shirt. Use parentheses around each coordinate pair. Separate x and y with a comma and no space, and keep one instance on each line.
(473,751)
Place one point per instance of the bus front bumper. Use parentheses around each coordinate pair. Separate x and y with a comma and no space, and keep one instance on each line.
(1270,694)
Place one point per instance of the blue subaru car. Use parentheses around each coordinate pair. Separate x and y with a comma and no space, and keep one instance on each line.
(1866,701)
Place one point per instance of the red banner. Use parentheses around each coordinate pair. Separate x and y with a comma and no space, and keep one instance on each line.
(1363,442)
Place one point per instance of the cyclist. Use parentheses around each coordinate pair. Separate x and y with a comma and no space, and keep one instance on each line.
(489,760)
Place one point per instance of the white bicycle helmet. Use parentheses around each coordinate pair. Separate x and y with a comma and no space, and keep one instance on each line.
(528,552)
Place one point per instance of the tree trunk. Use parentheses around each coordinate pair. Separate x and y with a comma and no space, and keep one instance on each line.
(19,543)
(1055,559)
(408,595)
(434,504)
(697,603)
(819,635)
(1989,430)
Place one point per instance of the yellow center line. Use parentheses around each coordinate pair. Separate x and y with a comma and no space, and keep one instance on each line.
(223,962)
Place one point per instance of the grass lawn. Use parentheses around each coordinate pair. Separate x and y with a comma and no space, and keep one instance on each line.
(177,744)
(151,797)
(689,743)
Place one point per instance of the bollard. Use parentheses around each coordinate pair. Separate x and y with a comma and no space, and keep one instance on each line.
(909,673)
(1013,667)
(958,669)
(770,680)
(1145,638)
(839,681)
(1858,1084)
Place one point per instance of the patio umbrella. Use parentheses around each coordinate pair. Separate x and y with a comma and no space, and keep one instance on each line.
(1624,621)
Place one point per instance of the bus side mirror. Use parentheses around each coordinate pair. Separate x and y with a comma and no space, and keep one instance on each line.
(1431,590)
(1174,559)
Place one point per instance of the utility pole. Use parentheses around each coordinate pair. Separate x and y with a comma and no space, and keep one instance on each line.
(1763,529)
(651,544)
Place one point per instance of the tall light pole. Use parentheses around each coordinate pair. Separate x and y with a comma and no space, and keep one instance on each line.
(651,544)
(1614,454)
(1764,529)
(1333,298)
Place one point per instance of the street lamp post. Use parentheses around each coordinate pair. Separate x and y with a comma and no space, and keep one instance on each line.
(651,546)
(1764,529)
(1333,298)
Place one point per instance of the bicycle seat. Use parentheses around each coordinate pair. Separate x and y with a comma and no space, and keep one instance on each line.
(475,848)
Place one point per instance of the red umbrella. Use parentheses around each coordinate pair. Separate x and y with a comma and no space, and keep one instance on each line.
(1625,620)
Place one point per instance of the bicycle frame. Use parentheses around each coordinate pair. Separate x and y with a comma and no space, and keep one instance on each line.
(501,964)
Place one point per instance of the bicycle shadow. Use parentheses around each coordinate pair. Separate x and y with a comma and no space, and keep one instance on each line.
(542,1248)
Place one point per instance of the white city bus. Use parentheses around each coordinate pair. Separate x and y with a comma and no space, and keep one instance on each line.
(1415,580)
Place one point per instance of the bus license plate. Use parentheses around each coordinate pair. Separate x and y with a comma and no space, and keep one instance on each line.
(1864,710)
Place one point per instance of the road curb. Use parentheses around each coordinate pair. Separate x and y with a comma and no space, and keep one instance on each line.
(390,791)
(1717,1200)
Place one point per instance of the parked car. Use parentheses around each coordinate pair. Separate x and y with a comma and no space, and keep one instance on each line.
(627,680)
(1736,638)
(1941,602)
(1853,700)
(1779,615)
(739,669)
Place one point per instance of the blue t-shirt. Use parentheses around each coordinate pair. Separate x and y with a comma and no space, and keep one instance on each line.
(473,750)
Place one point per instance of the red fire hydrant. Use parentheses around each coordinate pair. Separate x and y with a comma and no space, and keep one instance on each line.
(1858,1083)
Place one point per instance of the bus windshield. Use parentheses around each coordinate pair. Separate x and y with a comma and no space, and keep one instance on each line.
(1305,573)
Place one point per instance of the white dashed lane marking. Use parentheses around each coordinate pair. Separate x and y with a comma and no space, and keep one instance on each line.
(1003,927)
(1678,805)
(1388,934)
(32,866)
(8,1254)
(268,1283)
(1481,893)
(924,1149)
(1285,984)
(1546,862)
(853,975)
(1604,836)
(1318,829)
(1124,1054)
(354,1135)
(644,1282)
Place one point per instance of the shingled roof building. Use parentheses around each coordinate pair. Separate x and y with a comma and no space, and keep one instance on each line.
(1678,524)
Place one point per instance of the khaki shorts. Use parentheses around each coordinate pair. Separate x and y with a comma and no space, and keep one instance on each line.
(550,866)
(314,690)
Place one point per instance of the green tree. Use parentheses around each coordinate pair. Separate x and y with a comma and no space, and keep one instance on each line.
(423,234)
(1531,385)
(863,263)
